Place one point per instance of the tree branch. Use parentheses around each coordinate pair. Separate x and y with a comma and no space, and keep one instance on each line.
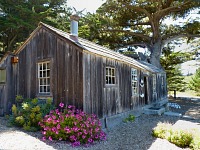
(159,14)
(137,24)
(138,9)
(130,33)
(170,38)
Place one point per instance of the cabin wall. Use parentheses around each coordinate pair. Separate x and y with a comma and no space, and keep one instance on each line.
(66,77)
(107,100)
(7,89)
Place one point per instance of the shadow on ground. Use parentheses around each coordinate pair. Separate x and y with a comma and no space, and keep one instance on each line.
(189,106)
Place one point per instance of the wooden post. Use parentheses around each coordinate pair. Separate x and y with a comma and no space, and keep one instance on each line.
(175,94)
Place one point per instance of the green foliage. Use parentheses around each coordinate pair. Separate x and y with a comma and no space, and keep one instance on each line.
(194,84)
(195,144)
(179,137)
(138,23)
(171,63)
(29,113)
(161,130)
(130,118)
(19,18)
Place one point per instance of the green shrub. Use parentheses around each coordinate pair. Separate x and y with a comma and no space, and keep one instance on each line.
(130,118)
(28,113)
(195,143)
(162,130)
(179,137)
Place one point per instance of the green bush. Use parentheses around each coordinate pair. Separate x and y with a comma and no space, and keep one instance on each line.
(179,137)
(28,113)
(162,130)
(195,143)
(130,118)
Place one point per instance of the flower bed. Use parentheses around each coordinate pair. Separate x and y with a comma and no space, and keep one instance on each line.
(71,124)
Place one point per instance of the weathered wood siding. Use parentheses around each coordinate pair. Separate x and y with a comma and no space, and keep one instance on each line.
(66,75)
(107,100)
(7,90)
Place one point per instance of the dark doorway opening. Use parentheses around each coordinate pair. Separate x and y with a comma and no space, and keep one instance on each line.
(145,90)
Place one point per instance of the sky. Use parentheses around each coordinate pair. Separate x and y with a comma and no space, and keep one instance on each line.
(88,5)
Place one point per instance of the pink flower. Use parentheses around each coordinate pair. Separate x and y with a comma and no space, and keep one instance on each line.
(44,132)
(90,140)
(43,138)
(97,129)
(61,105)
(50,138)
(58,126)
(67,129)
(73,138)
(83,136)
(70,106)
(60,139)
(54,117)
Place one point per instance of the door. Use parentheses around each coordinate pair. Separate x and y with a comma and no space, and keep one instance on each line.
(146,89)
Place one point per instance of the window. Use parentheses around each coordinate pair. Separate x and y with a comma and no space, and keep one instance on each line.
(134,81)
(110,75)
(2,75)
(154,83)
(162,81)
(44,77)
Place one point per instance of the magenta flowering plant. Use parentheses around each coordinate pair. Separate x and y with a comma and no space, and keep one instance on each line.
(71,124)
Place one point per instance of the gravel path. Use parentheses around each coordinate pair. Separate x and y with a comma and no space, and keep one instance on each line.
(125,136)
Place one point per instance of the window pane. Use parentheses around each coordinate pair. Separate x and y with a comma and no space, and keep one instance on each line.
(109,80)
(48,73)
(40,73)
(113,80)
(44,66)
(3,76)
(45,89)
(113,72)
(48,88)
(41,89)
(48,81)
(40,66)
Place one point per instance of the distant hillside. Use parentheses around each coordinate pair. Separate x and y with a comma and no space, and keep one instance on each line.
(190,67)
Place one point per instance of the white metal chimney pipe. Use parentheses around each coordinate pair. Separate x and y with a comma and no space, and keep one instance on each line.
(74,26)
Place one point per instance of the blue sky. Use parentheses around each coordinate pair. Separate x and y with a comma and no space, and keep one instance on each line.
(88,5)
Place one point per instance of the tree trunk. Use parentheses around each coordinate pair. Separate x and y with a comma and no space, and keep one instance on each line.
(156,50)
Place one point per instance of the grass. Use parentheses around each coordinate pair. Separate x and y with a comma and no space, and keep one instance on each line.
(188,92)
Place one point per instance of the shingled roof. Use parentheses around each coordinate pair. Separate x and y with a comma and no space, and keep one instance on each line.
(91,47)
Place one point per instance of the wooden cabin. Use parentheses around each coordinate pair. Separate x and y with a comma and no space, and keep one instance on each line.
(62,66)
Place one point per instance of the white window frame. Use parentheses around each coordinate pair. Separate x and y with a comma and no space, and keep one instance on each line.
(134,81)
(44,77)
(2,76)
(154,83)
(110,76)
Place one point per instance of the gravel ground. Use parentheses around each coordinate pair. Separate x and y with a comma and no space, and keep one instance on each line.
(125,136)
